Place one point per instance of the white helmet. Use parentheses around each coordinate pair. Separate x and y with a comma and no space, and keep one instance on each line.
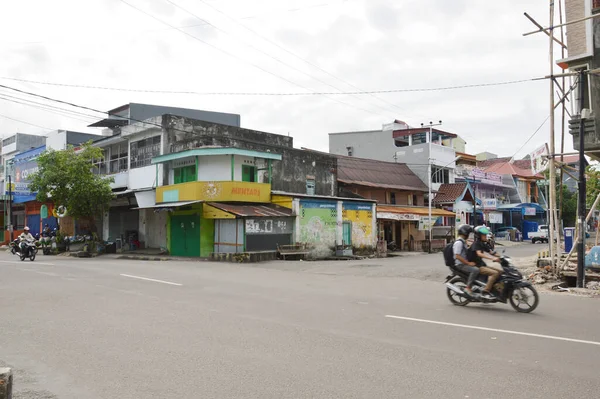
(26,228)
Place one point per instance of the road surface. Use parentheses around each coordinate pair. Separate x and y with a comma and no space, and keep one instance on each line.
(380,328)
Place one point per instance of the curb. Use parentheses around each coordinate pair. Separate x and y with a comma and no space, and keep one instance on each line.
(135,257)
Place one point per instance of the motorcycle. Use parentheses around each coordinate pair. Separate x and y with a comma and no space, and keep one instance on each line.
(29,249)
(510,287)
(48,238)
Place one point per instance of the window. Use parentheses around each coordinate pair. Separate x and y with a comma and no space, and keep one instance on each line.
(415,200)
(9,141)
(393,198)
(350,151)
(310,186)
(143,151)
(185,174)
(100,165)
(249,173)
(440,175)
(596,6)
(118,158)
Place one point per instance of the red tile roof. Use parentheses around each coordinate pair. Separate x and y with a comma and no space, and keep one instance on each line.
(449,193)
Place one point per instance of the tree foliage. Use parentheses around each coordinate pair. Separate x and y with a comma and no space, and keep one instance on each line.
(67,178)
(592,177)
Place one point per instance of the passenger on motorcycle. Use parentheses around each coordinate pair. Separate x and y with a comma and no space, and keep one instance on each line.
(481,250)
(25,236)
(460,257)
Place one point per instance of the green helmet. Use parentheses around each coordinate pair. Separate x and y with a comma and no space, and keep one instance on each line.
(482,230)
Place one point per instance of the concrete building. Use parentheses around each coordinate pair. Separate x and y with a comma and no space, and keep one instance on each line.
(400,143)
(215,181)
(484,156)
(583,54)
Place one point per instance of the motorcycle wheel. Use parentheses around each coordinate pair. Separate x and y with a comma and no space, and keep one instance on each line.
(22,257)
(524,299)
(454,298)
(32,256)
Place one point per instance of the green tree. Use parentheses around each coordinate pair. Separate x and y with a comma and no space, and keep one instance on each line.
(592,177)
(67,178)
(569,207)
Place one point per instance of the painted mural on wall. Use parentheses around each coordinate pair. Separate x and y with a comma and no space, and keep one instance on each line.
(318,222)
(361,217)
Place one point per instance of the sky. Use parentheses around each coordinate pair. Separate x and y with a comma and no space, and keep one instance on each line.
(284,47)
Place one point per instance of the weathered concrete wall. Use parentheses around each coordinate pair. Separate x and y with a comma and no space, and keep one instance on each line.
(289,174)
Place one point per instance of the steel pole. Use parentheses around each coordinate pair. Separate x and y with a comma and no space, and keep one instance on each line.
(582,185)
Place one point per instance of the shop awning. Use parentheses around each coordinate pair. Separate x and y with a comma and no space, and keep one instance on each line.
(214,151)
(419,211)
(520,207)
(253,210)
(168,205)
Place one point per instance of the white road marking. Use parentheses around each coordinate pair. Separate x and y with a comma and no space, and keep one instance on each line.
(151,279)
(26,262)
(579,341)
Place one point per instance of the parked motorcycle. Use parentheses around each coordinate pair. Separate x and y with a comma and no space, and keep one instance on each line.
(29,249)
(510,287)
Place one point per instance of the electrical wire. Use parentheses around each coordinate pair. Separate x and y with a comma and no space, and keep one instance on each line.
(230,54)
(49,108)
(26,123)
(297,56)
(276,59)
(387,91)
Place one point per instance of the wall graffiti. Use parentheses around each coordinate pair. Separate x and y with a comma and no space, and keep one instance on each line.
(318,222)
(361,217)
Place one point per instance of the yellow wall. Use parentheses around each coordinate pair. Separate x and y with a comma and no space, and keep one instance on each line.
(361,217)
(234,191)
(282,200)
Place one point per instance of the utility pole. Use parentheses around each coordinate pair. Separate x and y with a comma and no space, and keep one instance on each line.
(430,178)
(554,248)
(582,184)
(10,212)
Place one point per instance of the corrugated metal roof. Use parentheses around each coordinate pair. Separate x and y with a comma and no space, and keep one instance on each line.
(421,210)
(371,173)
(253,210)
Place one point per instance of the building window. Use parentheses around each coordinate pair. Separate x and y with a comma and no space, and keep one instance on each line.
(249,173)
(143,151)
(9,141)
(118,158)
(393,198)
(350,151)
(415,200)
(100,165)
(310,186)
(440,175)
(185,174)
(596,6)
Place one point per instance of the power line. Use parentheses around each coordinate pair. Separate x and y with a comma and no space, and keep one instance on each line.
(228,53)
(290,94)
(296,55)
(531,137)
(27,123)
(277,45)
(273,57)
(48,108)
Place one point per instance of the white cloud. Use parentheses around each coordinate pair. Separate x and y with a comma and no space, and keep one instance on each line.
(375,44)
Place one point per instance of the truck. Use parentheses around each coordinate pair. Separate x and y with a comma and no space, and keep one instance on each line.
(541,235)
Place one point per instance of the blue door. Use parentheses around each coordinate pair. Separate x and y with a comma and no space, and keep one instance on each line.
(33,222)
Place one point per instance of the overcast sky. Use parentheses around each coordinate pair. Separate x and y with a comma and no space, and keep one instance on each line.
(310,46)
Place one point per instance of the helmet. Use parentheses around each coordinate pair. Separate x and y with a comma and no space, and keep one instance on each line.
(465,230)
(482,231)
(26,228)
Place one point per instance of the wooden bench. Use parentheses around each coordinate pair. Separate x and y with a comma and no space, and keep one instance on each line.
(300,250)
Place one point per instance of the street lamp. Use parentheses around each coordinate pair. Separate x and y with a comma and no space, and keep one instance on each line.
(431,125)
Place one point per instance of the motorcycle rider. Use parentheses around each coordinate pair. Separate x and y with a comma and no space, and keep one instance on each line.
(481,250)
(460,257)
(24,237)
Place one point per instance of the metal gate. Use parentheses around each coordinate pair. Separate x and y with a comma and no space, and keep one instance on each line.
(229,236)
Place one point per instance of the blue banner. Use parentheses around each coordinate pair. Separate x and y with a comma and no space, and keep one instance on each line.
(25,164)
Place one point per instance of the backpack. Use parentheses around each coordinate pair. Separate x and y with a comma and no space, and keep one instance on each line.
(449,254)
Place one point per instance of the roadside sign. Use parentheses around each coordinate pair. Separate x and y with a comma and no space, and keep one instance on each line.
(539,159)
(44,212)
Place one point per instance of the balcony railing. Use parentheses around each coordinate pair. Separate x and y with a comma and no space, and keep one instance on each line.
(233,191)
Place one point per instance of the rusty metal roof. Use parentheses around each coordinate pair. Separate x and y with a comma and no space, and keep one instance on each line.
(253,210)
(371,173)
(421,210)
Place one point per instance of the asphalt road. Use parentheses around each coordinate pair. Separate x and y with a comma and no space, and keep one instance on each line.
(105,328)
